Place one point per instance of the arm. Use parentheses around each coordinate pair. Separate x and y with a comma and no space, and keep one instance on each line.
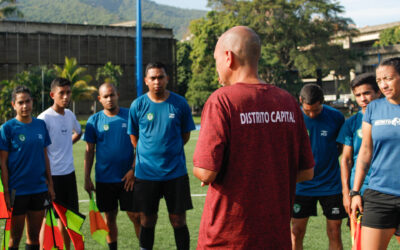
(76,137)
(305,175)
(134,140)
(204,175)
(185,137)
(4,178)
(48,176)
(362,166)
(346,163)
(88,163)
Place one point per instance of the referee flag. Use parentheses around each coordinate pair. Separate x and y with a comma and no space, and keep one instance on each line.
(98,227)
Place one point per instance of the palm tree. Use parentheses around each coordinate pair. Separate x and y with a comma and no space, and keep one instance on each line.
(109,73)
(9,8)
(81,90)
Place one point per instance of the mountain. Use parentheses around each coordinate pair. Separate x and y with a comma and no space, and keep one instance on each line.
(107,12)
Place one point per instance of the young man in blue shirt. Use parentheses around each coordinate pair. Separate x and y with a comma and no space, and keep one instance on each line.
(323,124)
(106,136)
(159,126)
(365,90)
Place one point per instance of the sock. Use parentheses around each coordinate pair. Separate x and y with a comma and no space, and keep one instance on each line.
(12,248)
(146,237)
(113,245)
(182,238)
(31,247)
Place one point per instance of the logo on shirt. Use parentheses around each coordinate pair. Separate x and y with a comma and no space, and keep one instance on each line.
(171,115)
(40,136)
(150,116)
(324,133)
(394,122)
(106,127)
(359,133)
(64,131)
(124,124)
(22,137)
(335,210)
(296,208)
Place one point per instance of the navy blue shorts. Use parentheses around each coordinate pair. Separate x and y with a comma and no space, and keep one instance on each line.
(30,202)
(109,194)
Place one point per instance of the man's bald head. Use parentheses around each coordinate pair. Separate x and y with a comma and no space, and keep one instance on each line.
(243,42)
(107,85)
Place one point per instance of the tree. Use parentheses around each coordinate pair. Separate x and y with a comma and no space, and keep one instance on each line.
(184,65)
(296,38)
(81,90)
(8,8)
(109,73)
(389,36)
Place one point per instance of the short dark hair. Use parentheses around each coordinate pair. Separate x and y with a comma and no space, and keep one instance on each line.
(365,78)
(152,65)
(311,93)
(394,62)
(18,90)
(59,82)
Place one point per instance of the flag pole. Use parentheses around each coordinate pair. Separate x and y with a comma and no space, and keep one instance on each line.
(139,50)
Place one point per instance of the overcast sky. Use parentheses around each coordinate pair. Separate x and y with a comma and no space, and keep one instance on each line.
(363,12)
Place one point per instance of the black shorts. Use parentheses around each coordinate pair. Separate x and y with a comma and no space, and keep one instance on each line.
(66,191)
(332,206)
(108,195)
(381,211)
(147,195)
(30,202)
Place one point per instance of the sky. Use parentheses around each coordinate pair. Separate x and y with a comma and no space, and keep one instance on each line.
(363,12)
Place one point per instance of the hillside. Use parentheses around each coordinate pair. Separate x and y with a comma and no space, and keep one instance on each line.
(107,12)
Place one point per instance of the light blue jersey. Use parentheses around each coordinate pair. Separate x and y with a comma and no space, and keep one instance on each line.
(25,144)
(323,131)
(385,169)
(350,134)
(114,151)
(159,152)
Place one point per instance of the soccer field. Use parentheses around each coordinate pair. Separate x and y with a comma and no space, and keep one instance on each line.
(164,237)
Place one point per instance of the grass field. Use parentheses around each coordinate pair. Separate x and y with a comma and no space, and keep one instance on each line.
(164,239)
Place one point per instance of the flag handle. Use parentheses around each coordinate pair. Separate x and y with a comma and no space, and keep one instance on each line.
(50,208)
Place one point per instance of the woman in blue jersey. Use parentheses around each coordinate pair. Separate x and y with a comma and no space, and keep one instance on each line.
(380,151)
(25,169)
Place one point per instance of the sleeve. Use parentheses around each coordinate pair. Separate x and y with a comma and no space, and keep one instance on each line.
(187,122)
(345,135)
(90,131)
(367,114)
(76,125)
(133,121)
(47,140)
(3,144)
(306,158)
(213,138)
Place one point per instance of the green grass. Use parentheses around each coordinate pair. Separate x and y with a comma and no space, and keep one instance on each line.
(164,238)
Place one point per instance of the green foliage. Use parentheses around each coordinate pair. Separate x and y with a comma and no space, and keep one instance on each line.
(295,35)
(109,73)
(32,78)
(106,12)
(183,64)
(9,8)
(389,36)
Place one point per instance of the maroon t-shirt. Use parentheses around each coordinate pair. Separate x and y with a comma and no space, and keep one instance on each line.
(254,136)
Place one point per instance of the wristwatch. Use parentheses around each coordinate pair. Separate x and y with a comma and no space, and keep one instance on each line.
(354,193)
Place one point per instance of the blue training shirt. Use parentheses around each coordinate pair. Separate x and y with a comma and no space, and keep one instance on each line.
(385,171)
(323,131)
(114,150)
(351,135)
(159,152)
(25,144)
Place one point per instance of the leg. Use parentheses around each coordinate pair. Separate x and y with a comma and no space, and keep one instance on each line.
(375,239)
(298,231)
(41,234)
(17,227)
(333,229)
(147,226)
(111,221)
(64,233)
(181,231)
(34,220)
(135,218)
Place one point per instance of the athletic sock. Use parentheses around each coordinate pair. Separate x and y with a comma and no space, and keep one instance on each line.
(31,247)
(182,238)
(113,245)
(146,237)
(13,248)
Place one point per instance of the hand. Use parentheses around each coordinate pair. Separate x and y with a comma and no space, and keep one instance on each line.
(89,187)
(347,203)
(52,194)
(129,180)
(356,205)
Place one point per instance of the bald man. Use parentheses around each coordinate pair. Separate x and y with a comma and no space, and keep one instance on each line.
(106,136)
(252,147)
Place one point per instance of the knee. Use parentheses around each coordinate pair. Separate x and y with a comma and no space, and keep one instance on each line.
(334,232)
(134,217)
(298,232)
(148,220)
(177,220)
